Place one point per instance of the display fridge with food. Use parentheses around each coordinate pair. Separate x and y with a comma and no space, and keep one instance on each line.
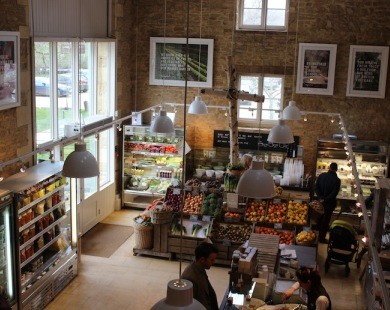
(151,163)
(46,236)
(8,273)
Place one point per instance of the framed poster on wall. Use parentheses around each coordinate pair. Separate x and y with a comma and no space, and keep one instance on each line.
(367,71)
(9,70)
(316,67)
(168,58)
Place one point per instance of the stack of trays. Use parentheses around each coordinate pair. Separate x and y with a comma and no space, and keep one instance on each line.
(267,247)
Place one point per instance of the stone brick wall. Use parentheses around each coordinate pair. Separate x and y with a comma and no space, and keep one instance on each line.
(345,23)
(16,123)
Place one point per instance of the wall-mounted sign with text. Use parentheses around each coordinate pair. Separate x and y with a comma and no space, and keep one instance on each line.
(250,141)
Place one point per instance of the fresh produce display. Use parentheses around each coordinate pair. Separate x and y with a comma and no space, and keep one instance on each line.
(193,182)
(256,211)
(177,228)
(212,205)
(279,191)
(276,212)
(152,148)
(232,232)
(230,182)
(192,203)
(214,184)
(158,186)
(137,183)
(297,213)
(143,219)
(307,237)
(158,205)
(174,201)
(195,229)
(232,216)
(285,236)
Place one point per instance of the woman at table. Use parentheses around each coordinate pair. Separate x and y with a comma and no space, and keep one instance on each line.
(310,280)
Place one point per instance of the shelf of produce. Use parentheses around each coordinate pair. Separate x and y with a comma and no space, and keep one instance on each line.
(38,217)
(143,193)
(154,154)
(36,201)
(39,234)
(32,257)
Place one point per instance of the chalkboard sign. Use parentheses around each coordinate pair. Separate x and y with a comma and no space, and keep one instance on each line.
(250,141)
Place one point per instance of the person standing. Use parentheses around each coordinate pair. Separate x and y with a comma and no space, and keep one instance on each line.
(205,256)
(327,188)
(310,280)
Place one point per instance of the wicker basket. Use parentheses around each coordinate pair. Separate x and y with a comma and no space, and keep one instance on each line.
(160,217)
(143,235)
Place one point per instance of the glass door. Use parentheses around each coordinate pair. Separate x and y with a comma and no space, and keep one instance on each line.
(7,250)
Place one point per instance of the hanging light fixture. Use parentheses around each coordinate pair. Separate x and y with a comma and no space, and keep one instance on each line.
(291,112)
(256,182)
(281,133)
(162,123)
(179,296)
(197,106)
(180,291)
(80,163)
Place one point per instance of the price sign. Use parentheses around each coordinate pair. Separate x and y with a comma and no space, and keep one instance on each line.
(193,217)
(206,218)
(176,191)
(227,242)
(298,200)
(195,192)
(139,220)
(277,200)
(278,226)
(175,182)
(306,228)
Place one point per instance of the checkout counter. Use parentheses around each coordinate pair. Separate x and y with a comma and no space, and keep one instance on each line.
(246,292)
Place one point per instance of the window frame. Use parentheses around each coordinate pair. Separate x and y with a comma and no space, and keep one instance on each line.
(267,123)
(77,103)
(264,13)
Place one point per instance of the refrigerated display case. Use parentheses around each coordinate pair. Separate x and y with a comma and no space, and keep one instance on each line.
(8,272)
(46,253)
(151,163)
(371,162)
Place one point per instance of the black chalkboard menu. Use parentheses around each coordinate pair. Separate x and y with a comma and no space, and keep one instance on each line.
(250,141)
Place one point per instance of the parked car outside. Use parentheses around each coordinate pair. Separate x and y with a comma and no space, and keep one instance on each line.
(66,79)
(42,88)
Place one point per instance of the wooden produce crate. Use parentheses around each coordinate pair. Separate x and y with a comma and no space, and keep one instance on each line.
(226,249)
(256,210)
(188,245)
(234,233)
(160,240)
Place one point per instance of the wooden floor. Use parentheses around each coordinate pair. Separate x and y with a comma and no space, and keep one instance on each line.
(125,281)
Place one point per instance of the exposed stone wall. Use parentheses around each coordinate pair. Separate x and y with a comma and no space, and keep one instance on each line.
(345,23)
(16,123)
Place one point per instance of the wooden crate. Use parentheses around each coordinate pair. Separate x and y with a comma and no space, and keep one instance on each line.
(188,245)
(160,240)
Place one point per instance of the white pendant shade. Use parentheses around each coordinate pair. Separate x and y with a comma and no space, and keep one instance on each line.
(291,112)
(80,163)
(179,297)
(162,124)
(197,106)
(256,182)
(281,133)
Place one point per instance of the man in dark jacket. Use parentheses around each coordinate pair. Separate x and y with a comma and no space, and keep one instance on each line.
(205,255)
(327,188)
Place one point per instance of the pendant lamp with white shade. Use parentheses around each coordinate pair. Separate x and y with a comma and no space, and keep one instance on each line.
(197,106)
(256,182)
(291,112)
(162,124)
(179,296)
(80,163)
(281,133)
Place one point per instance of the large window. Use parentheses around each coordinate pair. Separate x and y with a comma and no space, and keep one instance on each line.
(84,77)
(262,15)
(271,87)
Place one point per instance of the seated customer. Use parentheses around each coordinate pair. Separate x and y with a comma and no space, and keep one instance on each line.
(205,255)
(310,281)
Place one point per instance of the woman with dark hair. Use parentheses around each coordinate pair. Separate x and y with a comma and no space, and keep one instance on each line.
(310,280)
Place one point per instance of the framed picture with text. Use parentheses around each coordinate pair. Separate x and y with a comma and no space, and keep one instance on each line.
(9,69)
(367,71)
(316,68)
(168,58)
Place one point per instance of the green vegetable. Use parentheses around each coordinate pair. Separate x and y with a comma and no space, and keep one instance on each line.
(195,229)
